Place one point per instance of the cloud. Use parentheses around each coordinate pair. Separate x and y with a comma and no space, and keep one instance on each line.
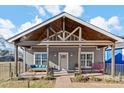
(75,10)
(30,24)
(100,22)
(112,23)
(25,26)
(53,9)
(37,20)
(40,10)
(6,28)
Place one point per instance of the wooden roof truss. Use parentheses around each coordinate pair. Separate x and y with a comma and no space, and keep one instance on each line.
(64,35)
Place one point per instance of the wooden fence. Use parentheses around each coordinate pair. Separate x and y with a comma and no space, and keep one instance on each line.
(119,68)
(7,69)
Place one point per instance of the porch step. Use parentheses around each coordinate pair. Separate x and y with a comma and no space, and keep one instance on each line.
(61,72)
(91,71)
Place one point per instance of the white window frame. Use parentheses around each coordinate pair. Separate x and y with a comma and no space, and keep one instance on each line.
(86,59)
(41,57)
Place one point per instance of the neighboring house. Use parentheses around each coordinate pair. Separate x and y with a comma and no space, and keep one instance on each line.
(7,59)
(65,42)
(10,56)
(119,59)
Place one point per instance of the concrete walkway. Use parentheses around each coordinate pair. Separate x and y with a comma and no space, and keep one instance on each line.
(63,82)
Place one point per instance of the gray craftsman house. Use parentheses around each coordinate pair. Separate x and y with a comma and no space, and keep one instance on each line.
(65,42)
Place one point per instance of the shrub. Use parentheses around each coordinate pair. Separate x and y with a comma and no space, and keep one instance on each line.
(98,79)
(78,78)
(21,78)
(77,73)
(91,77)
(111,80)
(34,78)
(85,79)
(47,77)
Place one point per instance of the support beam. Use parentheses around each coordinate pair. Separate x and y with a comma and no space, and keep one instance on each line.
(47,34)
(83,43)
(24,59)
(76,29)
(47,59)
(73,35)
(113,60)
(56,34)
(79,59)
(104,60)
(16,59)
(52,30)
(80,34)
(63,28)
(63,24)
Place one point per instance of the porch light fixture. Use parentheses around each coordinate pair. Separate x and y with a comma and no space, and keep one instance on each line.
(54,55)
(30,48)
(97,48)
(71,55)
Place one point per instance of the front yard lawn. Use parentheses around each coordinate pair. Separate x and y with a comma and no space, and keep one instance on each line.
(24,84)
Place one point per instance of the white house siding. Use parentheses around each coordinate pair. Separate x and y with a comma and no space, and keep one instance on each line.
(29,57)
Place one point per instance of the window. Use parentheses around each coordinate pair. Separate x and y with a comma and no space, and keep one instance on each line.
(87,59)
(40,58)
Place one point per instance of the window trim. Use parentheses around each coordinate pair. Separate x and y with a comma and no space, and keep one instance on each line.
(89,53)
(41,58)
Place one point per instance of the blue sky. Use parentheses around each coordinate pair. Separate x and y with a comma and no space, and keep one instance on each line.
(15,19)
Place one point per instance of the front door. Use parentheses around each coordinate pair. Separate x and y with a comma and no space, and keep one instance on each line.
(87,58)
(63,61)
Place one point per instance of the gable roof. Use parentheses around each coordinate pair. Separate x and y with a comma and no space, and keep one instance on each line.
(64,14)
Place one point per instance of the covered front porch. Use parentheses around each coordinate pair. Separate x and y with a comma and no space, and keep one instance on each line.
(72,55)
(68,57)
(65,43)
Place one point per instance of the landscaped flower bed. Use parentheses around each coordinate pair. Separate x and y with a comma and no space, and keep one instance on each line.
(90,79)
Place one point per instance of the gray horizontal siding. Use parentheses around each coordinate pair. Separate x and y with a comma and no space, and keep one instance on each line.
(98,54)
(72,54)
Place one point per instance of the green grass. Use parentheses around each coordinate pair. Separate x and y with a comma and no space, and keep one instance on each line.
(24,84)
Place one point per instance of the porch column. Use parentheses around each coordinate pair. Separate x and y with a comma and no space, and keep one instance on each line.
(24,59)
(47,59)
(79,59)
(103,60)
(16,59)
(113,60)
